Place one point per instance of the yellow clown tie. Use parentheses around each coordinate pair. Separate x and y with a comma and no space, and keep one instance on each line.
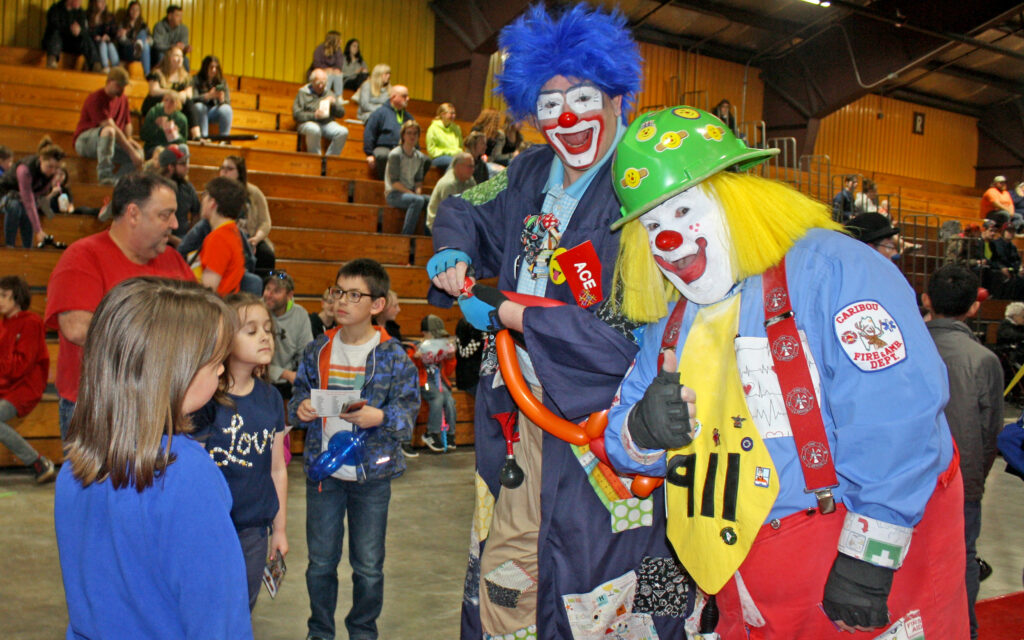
(720,488)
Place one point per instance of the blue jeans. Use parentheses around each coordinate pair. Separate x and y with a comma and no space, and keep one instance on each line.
(11,438)
(15,220)
(336,133)
(367,507)
(442,162)
(413,203)
(972,529)
(147,62)
(220,114)
(440,402)
(108,54)
(65,409)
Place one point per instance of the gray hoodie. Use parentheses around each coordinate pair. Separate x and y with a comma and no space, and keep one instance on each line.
(291,335)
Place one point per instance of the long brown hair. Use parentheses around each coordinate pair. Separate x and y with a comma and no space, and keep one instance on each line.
(146,342)
(165,66)
(49,150)
(332,43)
(488,122)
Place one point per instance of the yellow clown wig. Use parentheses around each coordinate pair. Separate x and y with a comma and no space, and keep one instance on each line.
(763,220)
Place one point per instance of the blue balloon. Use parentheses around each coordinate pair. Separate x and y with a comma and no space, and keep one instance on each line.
(344,448)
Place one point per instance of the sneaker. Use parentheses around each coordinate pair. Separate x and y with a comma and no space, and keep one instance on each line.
(433,442)
(45,472)
(984,570)
(51,62)
(409,451)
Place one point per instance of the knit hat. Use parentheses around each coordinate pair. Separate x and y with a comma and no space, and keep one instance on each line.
(871,227)
(434,326)
(173,154)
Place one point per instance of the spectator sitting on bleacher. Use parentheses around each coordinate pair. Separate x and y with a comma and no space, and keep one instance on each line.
(221,263)
(444,137)
(174,166)
(996,202)
(104,130)
(511,141)
(383,128)
(24,367)
(724,112)
(163,125)
(842,203)
(315,109)
(67,31)
(323,320)
(172,77)
(867,200)
(489,124)
(133,36)
(212,98)
(6,159)
(457,179)
(103,31)
(330,57)
(354,69)
(255,221)
(476,145)
(1002,275)
(31,180)
(61,200)
(1010,334)
(142,207)
(373,93)
(403,182)
(1017,196)
(170,33)
(291,330)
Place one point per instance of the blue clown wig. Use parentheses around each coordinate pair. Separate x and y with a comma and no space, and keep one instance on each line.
(582,43)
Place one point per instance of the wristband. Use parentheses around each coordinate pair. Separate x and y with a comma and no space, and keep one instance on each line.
(879,543)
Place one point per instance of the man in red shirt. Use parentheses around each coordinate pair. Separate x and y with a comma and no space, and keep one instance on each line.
(221,261)
(996,202)
(143,208)
(104,129)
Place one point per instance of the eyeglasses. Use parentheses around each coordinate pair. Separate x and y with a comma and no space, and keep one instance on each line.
(352,296)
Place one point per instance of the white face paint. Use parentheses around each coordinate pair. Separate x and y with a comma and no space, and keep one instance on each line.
(690,244)
(574,117)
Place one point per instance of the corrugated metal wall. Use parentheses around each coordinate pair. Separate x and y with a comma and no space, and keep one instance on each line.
(855,137)
(275,38)
(668,80)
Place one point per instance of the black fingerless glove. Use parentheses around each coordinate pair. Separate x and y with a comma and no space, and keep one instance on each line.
(857,592)
(661,420)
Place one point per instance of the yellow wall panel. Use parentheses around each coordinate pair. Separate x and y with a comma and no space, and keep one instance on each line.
(275,38)
(856,137)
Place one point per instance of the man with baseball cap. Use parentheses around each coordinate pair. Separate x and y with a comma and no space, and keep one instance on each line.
(174,166)
(996,202)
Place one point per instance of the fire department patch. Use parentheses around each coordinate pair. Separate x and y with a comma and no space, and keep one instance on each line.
(869,336)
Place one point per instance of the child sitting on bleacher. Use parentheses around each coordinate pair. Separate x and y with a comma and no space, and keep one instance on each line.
(24,365)
(22,187)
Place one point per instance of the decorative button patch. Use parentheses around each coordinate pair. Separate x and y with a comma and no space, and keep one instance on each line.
(646,131)
(869,336)
(632,178)
(670,140)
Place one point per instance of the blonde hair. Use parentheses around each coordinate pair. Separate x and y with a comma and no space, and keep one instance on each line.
(377,79)
(763,219)
(165,67)
(443,108)
(146,342)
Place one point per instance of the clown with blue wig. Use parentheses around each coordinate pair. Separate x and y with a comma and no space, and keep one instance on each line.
(560,547)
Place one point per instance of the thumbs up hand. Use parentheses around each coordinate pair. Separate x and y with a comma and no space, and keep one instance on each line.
(663,419)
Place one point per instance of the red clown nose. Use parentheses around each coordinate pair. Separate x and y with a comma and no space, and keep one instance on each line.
(668,240)
(567,119)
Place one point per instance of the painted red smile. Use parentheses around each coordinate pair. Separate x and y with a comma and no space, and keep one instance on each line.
(576,143)
(688,268)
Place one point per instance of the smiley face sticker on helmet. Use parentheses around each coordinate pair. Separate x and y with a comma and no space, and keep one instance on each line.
(686,112)
(670,140)
(632,178)
(713,132)
(646,131)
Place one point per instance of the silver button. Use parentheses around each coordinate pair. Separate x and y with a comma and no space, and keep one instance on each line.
(775,523)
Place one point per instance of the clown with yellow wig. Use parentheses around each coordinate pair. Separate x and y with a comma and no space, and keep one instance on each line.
(790,395)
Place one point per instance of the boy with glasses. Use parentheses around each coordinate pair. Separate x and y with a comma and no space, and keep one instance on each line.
(355,361)
(292,331)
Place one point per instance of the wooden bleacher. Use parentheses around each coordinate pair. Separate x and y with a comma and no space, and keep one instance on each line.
(324,211)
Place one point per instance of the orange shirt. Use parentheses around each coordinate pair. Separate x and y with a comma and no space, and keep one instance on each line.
(994,199)
(222,254)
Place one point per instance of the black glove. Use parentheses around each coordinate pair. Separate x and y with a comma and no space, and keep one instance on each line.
(661,420)
(857,592)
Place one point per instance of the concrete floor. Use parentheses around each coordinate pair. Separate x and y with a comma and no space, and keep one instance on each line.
(428,537)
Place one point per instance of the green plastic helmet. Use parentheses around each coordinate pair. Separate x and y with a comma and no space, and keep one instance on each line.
(664,153)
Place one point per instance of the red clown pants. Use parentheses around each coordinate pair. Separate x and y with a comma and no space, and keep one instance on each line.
(786,571)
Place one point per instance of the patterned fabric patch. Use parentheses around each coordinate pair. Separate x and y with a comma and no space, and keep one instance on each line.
(607,612)
(909,627)
(471,586)
(869,336)
(506,582)
(663,588)
(632,513)
(484,509)
(526,633)
(486,191)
